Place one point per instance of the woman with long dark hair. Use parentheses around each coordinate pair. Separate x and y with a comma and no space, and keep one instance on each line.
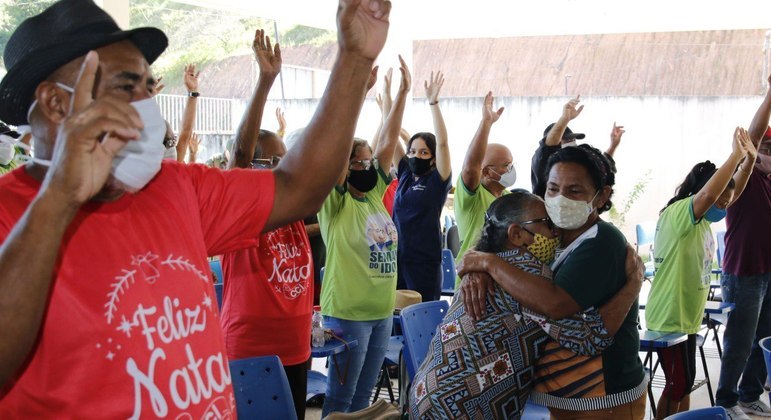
(683,249)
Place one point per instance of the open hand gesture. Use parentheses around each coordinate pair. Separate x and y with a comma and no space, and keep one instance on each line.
(433,85)
(488,114)
(570,111)
(281,122)
(193,144)
(406,82)
(362,26)
(191,78)
(157,87)
(742,143)
(93,132)
(268,57)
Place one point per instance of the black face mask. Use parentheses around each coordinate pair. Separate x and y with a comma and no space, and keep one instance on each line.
(363,180)
(419,166)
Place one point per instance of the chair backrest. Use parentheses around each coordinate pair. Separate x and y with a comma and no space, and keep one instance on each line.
(419,325)
(646,232)
(218,292)
(453,240)
(261,389)
(216,268)
(711,413)
(765,344)
(448,272)
(720,247)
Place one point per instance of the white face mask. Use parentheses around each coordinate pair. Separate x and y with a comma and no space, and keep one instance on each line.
(567,213)
(6,150)
(137,163)
(508,178)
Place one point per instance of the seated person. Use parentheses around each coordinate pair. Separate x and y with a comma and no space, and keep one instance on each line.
(485,369)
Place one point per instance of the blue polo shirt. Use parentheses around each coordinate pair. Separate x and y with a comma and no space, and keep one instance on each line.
(417,212)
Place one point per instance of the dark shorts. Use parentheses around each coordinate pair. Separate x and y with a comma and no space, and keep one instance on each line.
(679,365)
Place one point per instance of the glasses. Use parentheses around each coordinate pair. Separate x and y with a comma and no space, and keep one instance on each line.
(546,220)
(266,163)
(509,167)
(360,165)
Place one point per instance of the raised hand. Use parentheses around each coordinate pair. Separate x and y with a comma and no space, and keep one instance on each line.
(387,99)
(281,122)
(372,78)
(91,135)
(488,114)
(406,82)
(191,78)
(157,87)
(742,144)
(570,111)
(615,134)
(362,26)
(433,85)
(268,58)
(193,144)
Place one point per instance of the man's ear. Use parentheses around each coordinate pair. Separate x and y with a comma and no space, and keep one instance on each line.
(53,102)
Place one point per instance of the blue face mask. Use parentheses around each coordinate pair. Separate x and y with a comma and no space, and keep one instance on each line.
(715,214)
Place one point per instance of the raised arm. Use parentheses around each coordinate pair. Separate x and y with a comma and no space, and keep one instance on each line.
(570,111)
(759,123)
(615,138)
(389,136)
(433,86)
(384,102)
(472,165)
(307,173)
(710,192)
(82,161)
(195,141)
(188,118)
(269,60)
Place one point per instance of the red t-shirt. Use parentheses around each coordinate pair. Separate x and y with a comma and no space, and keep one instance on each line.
(131,328)
(390,194)
(267,300)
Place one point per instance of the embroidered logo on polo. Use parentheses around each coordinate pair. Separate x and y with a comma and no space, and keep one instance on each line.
(290,269)
(160,335)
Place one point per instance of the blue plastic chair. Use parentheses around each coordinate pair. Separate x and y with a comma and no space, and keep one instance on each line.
(261,389)
(448,273)
(419,325)
(711,413)
(765,344)
(216,268)
(452,240)
(218,292)
(535,411)
(646,233)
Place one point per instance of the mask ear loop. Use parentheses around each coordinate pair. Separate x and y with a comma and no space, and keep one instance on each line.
(27,159)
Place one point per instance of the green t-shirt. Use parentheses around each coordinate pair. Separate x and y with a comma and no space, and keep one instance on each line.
(470,208)
(360,273)
(683,249)
(592,271)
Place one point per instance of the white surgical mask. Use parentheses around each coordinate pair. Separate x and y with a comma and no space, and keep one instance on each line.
(140,160)
(567,213)
(507,178)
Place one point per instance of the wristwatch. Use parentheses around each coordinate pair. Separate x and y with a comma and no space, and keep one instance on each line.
(193,94)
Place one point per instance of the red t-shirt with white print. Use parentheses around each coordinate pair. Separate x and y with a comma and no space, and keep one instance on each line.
(267,300)
(131,328)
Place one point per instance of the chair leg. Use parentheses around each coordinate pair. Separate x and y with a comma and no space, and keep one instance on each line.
(387,378)
(706,376)
(379,384)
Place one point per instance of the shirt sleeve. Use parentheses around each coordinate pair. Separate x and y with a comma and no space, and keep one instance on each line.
(594,271)
(679,218)
(234,205)
(583,333)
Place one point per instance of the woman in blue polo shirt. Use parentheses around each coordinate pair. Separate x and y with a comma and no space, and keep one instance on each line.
(424,181)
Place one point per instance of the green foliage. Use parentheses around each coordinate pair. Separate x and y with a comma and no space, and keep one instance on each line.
(618,217)
(303,35)
(13,13)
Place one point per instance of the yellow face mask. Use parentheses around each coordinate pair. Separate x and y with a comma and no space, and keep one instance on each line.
(544,248)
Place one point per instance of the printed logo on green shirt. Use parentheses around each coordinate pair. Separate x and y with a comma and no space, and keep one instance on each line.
(383,240)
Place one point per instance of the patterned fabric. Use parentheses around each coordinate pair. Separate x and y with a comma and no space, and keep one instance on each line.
(485,369)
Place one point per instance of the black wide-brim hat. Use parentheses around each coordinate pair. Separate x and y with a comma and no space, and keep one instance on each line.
(63,32)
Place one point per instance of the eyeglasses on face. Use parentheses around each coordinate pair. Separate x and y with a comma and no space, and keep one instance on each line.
(360,165)
(546,220)
(272,162)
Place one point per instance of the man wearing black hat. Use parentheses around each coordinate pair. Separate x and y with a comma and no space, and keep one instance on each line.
(554,135)
(105,299)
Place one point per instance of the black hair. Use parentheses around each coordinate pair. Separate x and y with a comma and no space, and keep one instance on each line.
(429,138)
(696,180)
(600,167)
(262,135)
(502,213)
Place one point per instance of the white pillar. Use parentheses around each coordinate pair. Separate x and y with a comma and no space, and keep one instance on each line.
(118,9)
